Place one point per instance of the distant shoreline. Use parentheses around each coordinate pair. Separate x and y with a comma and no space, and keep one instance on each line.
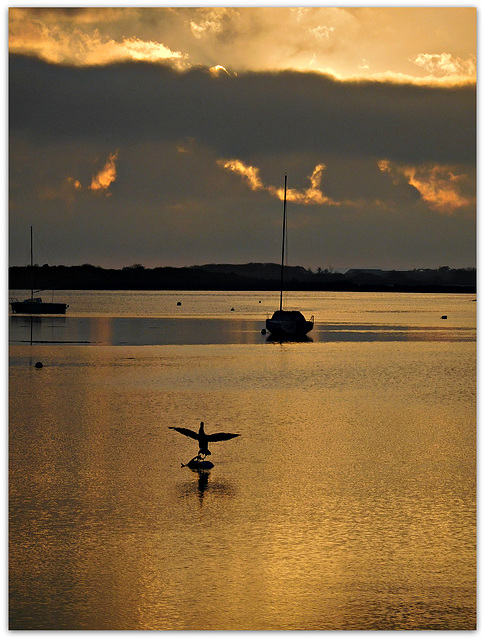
(249,277)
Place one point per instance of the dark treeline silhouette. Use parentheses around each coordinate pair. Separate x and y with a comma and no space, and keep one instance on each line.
(246,277)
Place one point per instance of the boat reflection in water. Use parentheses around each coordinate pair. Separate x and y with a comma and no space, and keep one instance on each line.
(280,337)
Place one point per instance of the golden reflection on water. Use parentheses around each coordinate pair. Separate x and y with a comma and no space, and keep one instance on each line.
(101,330)
(348,502)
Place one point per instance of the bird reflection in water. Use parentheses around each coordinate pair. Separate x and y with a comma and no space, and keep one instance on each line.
(205,486)
(203,483)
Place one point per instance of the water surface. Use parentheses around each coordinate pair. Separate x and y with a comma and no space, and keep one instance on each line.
(348,502)
(231,317)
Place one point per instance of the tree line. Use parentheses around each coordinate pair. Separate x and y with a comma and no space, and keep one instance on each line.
(253,276)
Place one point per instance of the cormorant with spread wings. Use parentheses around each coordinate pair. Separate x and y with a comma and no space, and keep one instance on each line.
(204,438)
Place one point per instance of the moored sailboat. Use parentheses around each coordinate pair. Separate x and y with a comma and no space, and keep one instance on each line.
(33,305)
(283,323)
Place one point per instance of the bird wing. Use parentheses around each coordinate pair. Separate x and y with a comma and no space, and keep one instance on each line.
(215,437)
(186,432)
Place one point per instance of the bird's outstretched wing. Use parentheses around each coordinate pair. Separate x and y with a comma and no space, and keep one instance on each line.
(186,432)
(215,437)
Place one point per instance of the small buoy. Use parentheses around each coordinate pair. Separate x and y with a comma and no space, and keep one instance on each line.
(263,331)
(260,302)
(38,365)
(444,317)
(232,309)
(179,304)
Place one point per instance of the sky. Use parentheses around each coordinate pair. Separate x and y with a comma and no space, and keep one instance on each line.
(161,136)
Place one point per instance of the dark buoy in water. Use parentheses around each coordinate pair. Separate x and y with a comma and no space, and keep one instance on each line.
(263,331)
(179,304)
(38,365)
(444,317)
(232,309)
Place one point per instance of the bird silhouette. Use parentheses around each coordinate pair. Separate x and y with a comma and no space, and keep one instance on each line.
(204,438)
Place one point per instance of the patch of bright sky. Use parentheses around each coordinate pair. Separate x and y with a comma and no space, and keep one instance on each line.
(431,45)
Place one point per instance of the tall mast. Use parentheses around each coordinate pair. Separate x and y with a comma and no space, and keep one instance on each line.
(31,266)
(283,246)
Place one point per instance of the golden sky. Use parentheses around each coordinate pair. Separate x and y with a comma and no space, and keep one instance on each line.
(401,44)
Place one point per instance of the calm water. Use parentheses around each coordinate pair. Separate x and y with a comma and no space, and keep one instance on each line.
(348,502)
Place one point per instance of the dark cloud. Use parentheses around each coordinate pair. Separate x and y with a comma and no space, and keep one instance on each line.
(247,115)
(172,204)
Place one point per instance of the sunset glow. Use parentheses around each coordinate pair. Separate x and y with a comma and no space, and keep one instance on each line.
(242,317)
(439,186)
(310,196)
(106,176)
(325,40)
(78,48)
(192,112)
(250,174)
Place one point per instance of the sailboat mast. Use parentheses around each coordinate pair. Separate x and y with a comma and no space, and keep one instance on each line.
(283,246)
(31,266)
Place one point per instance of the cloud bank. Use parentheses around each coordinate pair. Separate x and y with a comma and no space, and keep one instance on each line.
(244,115)
(192,162)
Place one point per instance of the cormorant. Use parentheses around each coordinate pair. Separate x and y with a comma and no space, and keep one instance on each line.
(204,438)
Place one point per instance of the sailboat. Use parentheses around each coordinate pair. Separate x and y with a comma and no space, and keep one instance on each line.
(287,324)
(36,305)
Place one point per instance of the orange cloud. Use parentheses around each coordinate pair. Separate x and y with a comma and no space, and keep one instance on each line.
(75,183)
(70,186)
(66,191)
(211,20)
(312,195)
(59,42)
(106,176)
(444,64)
(250,174)
(218,69)
(441,188)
